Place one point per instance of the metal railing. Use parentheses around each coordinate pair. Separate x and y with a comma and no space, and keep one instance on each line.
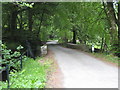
(7,67)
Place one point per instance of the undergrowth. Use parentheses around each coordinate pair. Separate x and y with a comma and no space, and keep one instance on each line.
(33,75)
(109,57)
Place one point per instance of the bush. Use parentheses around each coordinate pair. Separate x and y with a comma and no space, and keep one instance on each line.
(33,75)
(9,57)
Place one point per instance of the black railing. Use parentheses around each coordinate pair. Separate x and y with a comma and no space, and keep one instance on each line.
(7,67)
(28,52)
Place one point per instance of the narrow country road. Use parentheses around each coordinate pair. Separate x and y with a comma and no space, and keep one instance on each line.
(83,71)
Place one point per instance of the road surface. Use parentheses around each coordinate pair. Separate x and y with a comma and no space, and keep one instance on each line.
(83,71)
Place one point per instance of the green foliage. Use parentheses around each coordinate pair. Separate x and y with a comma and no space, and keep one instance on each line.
(19,47)
(9,57)
(58,20)
(33,75)
(108,57)
(89,21)
(23,4)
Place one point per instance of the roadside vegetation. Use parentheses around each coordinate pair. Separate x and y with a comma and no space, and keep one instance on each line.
(33,74)
(32,24)
(107,57)
(27,26)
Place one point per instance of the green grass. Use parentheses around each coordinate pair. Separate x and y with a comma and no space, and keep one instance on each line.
(33,75)
(109,58)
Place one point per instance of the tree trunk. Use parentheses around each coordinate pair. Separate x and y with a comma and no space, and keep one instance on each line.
(20,21)
(119,22)
(74,36)
(65,38)
(30,21)
(119,29)
(13,21)
(102,44)
(40,24)
(9,22)
(105,47)
(21,26)
(113,21)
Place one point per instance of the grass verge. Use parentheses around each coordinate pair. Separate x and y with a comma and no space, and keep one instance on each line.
(33,75)
(108,58)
